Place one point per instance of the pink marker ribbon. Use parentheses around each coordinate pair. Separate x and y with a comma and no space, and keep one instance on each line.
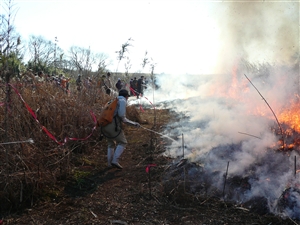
(45,129)
(141,108)
(149,166)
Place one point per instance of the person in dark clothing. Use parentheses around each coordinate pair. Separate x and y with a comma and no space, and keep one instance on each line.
(131,87)
(79,82)
(140,87)
(134,85)
(119,84)
(103,86)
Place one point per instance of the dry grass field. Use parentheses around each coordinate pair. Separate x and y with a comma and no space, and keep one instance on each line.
(62,177)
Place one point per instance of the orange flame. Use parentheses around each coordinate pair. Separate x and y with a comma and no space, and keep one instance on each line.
(291,116)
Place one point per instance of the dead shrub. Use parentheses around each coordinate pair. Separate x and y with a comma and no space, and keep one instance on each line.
(51,118)
(133,114)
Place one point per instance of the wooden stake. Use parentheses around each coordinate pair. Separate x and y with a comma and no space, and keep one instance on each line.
(21,192)
(295,167)
(184,179)
(225,180)
(270,109)
(184,166)
(182,146)
(149,183)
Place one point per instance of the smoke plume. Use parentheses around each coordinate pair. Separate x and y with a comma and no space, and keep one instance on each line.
(222,116)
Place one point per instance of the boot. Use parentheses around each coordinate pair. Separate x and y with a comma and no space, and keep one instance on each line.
(110,154)
(118,153)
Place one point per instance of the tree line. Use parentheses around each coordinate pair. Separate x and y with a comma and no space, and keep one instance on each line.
(41,54)
(45,55)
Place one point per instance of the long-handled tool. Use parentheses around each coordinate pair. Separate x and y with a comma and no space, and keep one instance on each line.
(17,142)
(158,133)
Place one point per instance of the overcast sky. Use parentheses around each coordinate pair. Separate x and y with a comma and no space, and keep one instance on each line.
(181,36)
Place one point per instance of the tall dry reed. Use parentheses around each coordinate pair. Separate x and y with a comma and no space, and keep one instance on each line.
(28,168)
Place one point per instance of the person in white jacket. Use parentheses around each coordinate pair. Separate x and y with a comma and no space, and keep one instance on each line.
(114,133)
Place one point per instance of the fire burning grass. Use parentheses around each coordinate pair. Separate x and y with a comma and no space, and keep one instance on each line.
(264,158)
(47,164)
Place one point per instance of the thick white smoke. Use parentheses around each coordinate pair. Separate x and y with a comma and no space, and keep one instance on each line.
(222,116)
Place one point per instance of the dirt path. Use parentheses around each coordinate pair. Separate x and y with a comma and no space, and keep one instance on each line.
(112,196)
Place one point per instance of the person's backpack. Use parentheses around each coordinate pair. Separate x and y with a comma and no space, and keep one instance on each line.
(107,113)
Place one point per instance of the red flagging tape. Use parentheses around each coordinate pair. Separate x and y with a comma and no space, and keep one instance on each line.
(45,129)
(141,108)
(150,102)
(149,166)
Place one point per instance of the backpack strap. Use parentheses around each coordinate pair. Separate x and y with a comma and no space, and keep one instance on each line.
(116,124)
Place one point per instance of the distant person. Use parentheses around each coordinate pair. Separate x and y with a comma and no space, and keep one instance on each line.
(40,77)
(64,82)
(134,84)
(140,87)
(108,83)
(108,80)
(79,83)
(88,83)
(58,82)
(103,85)
(119,84)
(114,132)
(131,87)
(48,78)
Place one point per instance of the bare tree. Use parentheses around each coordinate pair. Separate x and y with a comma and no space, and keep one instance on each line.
(43,53)
(122,51)
(101,60)
(127,66)
(9,59)
(145,60)
(8,37)
(82,59)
